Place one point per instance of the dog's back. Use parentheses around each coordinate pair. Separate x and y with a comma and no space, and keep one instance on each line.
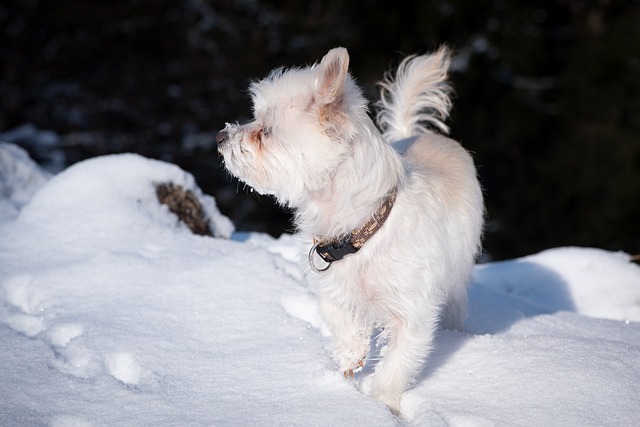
(411,112)
(414,104)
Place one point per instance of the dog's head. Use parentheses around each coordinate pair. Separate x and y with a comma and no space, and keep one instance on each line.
(302,125)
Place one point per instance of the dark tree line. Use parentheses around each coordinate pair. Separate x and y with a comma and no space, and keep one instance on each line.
(547,93)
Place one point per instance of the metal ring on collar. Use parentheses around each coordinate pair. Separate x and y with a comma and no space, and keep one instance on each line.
(312,263)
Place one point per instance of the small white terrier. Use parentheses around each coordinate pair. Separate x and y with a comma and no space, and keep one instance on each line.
(394,219)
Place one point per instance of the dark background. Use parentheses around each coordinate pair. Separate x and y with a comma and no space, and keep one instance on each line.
(547,94)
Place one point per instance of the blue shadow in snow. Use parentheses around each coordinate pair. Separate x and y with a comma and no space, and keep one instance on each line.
(502,294)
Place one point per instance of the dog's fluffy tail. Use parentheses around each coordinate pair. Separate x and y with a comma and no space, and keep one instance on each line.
(416,98)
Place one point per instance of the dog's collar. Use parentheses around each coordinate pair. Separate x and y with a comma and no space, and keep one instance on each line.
(331,250)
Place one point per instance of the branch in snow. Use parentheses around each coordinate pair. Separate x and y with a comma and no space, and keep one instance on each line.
(185,205)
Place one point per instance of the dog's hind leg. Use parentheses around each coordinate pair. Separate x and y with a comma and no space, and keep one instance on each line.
(455,309)
(351,336)
(408,342)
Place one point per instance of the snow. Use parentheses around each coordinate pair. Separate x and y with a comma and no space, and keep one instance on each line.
(113,313)
(45,143)
(20,178)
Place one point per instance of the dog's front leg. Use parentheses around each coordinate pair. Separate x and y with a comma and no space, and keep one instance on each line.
(351,336)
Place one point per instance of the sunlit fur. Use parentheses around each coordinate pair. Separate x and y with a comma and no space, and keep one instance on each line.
(313,146)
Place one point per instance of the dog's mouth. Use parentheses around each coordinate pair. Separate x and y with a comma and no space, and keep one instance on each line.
(235,157)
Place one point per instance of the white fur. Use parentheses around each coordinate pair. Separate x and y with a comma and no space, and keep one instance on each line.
(313,146)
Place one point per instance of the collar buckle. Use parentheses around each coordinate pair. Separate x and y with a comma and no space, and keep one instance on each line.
(334,250)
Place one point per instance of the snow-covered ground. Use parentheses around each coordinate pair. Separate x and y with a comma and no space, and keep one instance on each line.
(113,314)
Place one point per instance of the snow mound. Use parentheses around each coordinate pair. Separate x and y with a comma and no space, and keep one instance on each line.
(45,143)
(588,281)
(114,193)
(20,178)
(113,313)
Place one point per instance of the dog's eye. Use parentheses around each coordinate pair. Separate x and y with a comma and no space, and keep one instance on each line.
(261,135)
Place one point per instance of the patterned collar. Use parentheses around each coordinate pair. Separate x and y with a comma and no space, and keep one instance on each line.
(331,250)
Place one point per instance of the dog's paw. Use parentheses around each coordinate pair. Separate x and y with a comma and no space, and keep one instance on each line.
(351,372)
(350,350)
(351,362)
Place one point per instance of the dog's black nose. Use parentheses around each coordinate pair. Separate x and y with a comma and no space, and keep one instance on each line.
(222,136)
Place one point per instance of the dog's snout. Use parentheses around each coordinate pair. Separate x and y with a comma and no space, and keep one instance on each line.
(222,136)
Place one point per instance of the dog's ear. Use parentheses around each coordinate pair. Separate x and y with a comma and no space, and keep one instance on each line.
(332,75)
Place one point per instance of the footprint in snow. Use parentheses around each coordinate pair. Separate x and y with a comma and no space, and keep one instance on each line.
(62,334)
(123,367)
(76,360)
(69,356)
(30,320)
(20,294)
(25,324)
(305,307)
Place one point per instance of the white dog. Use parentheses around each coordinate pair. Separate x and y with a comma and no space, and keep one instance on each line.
(394,219)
